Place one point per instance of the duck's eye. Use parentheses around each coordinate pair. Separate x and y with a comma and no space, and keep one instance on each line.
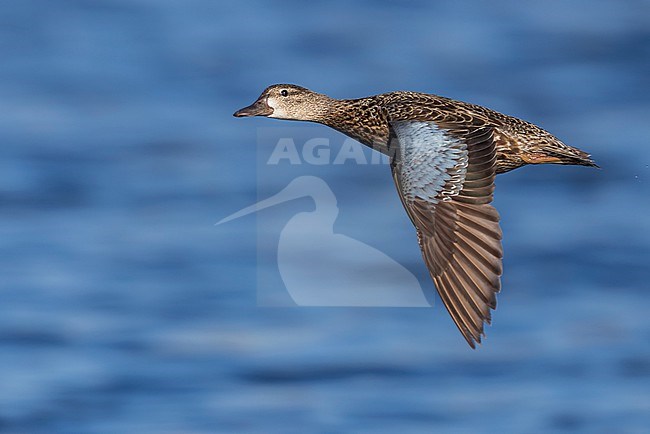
(284,92)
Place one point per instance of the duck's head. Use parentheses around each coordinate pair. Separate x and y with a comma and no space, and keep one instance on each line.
(288,101)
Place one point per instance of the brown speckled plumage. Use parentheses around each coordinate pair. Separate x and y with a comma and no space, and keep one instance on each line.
(517,142)
(445,155)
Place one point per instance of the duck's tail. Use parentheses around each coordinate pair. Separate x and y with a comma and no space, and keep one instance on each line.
(557,152)
(570,155)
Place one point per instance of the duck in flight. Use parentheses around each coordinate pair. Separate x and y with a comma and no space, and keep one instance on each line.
(444,157)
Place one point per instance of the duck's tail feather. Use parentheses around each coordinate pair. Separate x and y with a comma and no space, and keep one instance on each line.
(571,155)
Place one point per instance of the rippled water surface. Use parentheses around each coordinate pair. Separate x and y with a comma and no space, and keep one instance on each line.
(124,309)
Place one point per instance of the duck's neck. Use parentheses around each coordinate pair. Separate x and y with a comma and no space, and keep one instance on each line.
(361,119)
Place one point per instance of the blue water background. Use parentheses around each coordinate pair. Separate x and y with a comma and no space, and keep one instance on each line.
(124,309)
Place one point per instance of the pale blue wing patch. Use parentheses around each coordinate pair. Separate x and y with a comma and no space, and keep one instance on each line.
(431,163)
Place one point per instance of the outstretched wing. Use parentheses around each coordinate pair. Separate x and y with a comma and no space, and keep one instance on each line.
(445,179)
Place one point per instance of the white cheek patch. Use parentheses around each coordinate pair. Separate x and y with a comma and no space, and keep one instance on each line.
(278,112)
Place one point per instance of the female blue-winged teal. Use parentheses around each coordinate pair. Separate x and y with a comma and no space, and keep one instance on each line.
(444,157)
